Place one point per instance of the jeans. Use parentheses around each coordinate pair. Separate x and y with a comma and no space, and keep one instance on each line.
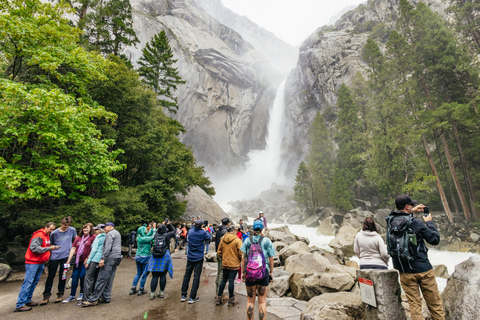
(90,280)
(104,285)
(207,246)
(156,276)
(230,276)
(53,265)
(141,266)
(78,274)
(195,267)
(33,272)
(176,242)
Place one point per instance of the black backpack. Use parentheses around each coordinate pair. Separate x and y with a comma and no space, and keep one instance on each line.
(401,239)
(160,245)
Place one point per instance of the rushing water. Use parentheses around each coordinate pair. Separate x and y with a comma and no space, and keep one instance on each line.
(262,168)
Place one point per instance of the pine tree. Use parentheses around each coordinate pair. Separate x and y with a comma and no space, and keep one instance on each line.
(303,186)
(157,70)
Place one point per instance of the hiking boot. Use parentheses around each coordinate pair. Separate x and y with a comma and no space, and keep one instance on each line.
(71,298)
(133,290)
(152,295)
(45,300)
(89,304)
(218,300)
(184,298)
(102,300)
(161,294)
(23,309)
(232,302)
(141,292)
(191,300)
(31,304)
(59,297)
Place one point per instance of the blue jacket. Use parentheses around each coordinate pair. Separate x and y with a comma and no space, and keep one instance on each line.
(196,243)
(97,248)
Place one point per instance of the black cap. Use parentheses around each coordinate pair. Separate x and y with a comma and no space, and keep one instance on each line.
(225,221)
(402,200)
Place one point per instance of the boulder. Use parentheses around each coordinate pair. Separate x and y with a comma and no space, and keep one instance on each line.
(353,264)
(280,272)
(331,257)
(461,297)
(380,216)
(4,271)
(312,221)
(279,245)
(388,295)
(306,263)
(328,227)
(15,255)
(342,269)
(474,236)
(295,248)
(276,261)
(344,240)
(303,239)
(211,257)
(305,286)
(340,255)
(278,287)
(338,306)
(350,220)
(441,271)
(199,203)
(275,236)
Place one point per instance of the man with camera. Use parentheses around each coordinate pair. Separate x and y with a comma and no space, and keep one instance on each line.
(406,246)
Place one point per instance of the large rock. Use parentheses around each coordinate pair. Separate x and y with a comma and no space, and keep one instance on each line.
(380,216)
(352,221)
(201,204)
(279,245)
(283,237)
(328,227)
(278,287)
(211,257)
(4,271)
(330,257)
(295,248)
(387,294)
(344,240)
(312,221)
(303,239)
(334,306)
(306,263)
(461,297)
(305,286)
(441,271)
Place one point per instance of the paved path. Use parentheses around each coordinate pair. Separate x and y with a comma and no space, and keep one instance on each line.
(124,306)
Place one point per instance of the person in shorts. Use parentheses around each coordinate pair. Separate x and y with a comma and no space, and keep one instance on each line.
(258,288)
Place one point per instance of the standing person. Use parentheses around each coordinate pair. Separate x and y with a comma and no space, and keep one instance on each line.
(184,236)
(111,258)
(161,260)
(131,243)
(62,237)
(262,218)
(370,248)
(38,252)
(178,232)
(246,234)
(240,236)
(144,247)
(222,229)
(91,264)
(231,255)
(416,275)
(258,287)
(196,238)
(207,242)
(81,249)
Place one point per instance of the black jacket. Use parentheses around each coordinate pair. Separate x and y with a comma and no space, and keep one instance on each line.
(426,232)
(219,234)
(169,231)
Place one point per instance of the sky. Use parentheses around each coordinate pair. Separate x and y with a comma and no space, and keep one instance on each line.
(291,21)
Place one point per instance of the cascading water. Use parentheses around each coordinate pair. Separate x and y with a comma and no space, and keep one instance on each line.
(262,167)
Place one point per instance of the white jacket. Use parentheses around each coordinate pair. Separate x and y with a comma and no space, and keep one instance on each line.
(370,249)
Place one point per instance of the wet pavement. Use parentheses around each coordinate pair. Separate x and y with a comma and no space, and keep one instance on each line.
(124,306)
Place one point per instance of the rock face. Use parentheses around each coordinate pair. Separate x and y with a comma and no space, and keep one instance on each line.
(387,294)
(201,204)
(341,306)
(461,297)
(230,86)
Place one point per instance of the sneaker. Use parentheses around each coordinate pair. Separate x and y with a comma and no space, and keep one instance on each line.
(133,290)
(238,281)
(80,297)
(141,292)
(71,298)
(152,295)
(161,294)
(190,300)
(79,303)
(184,298)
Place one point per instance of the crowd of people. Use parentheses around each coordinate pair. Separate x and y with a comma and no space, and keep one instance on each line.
(94,254)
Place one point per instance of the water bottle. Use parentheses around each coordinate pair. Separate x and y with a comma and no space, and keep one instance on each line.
(65,269)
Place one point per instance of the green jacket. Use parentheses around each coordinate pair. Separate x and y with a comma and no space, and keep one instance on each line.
(144,241)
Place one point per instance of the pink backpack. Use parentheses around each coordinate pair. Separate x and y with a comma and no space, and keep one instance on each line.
(256,267)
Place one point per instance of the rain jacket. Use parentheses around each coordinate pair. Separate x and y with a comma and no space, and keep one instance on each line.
(229,251)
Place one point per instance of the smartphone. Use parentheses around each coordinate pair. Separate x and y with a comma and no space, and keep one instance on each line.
(426,212)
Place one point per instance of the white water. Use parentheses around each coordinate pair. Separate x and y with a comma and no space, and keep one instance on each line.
(262,167)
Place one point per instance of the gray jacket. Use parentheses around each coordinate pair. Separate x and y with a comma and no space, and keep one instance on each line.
(112,248)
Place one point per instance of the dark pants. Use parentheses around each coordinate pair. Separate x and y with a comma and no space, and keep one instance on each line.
(53,266)
(372,266)
(78,275)
(90,280)
(230,276)
(104,285)
(156,276)
(197,268)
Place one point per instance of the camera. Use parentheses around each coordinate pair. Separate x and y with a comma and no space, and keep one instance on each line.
(426,211)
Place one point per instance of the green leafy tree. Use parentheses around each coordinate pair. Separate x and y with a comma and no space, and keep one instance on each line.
(158,72)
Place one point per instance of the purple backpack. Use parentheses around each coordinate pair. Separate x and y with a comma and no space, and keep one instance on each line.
(256,267)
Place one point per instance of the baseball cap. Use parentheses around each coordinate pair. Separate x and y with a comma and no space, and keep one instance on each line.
(109,224)
(402,200)
(258,225)
(225,221)
(260,212)
(198,222)
(98,227)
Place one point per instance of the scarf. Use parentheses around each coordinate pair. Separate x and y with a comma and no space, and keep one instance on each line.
(81,248)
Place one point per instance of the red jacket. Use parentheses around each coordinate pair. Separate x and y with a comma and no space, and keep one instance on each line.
(38,258)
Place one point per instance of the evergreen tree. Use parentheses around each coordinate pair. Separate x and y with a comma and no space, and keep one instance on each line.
(157,70)
(303,186)
(468,19)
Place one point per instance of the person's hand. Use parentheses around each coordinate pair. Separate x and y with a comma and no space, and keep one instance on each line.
(428,218)
(54,248)
(271,277)
(86,265)
(102,263)
(243,277)
(419,208)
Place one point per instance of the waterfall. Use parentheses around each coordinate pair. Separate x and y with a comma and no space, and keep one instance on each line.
(262,167)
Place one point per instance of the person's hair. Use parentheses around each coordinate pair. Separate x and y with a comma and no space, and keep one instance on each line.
(256,232)
(101,230)
(401,206)
(48,224)
(240,220)
(67,220)
(80,233)
(369,225)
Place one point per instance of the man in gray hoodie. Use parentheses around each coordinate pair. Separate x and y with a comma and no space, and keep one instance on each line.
(111,258)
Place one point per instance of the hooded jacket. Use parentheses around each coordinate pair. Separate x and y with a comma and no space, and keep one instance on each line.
(144,242)
(370,249)
(37,251)
(196,243)
(97,248)
(222,229)
(229,251)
